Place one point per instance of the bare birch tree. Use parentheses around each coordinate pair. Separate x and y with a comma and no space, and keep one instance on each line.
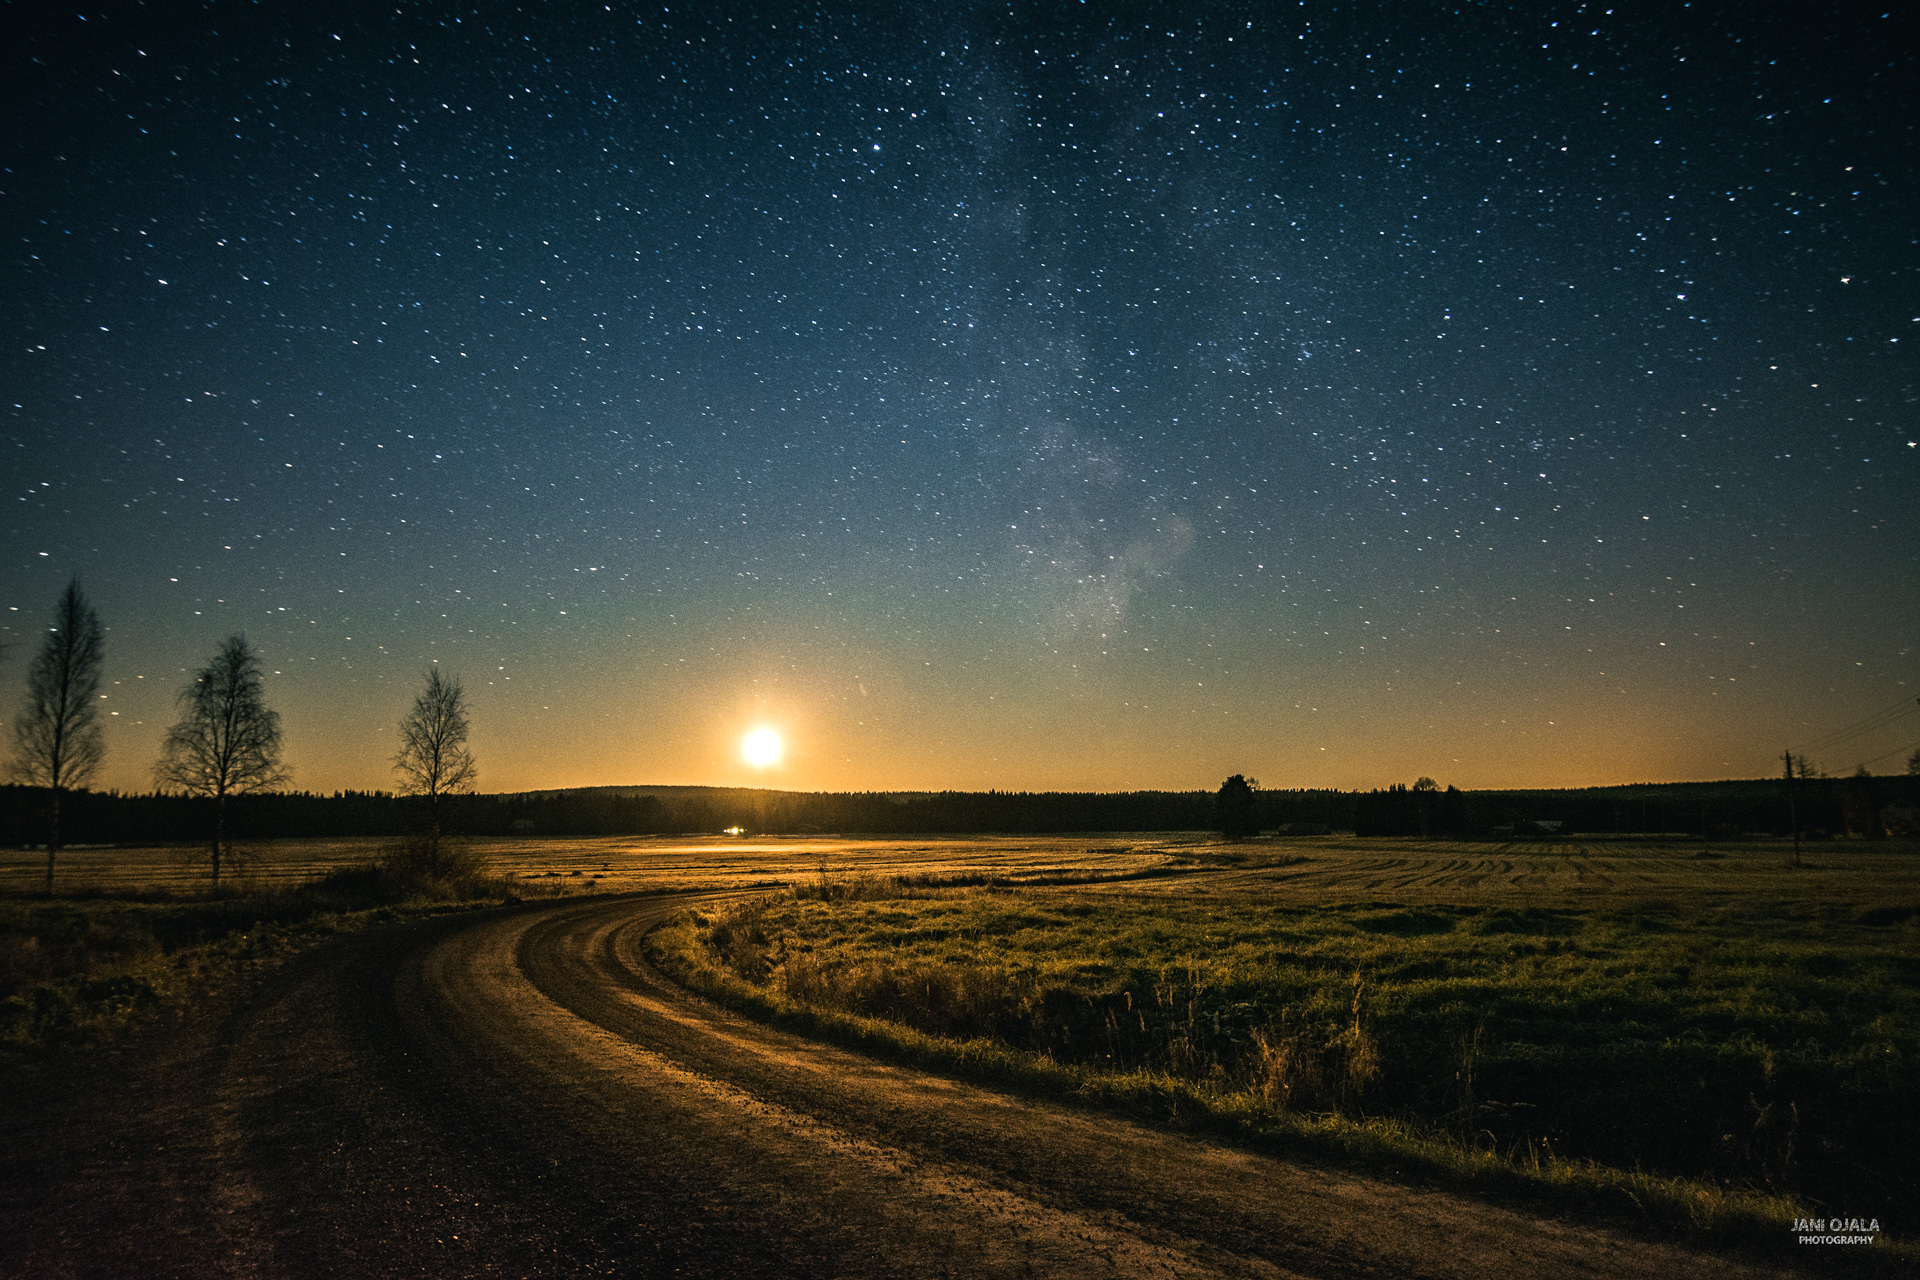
(57,742)
(227,742)
(433,760)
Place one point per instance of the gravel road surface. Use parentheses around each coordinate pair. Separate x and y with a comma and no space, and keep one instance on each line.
(518,1093)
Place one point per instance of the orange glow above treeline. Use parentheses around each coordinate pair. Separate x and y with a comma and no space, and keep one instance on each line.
(888,727)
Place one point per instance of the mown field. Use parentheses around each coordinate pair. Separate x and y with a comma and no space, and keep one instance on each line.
(603,863)
(1677,1021)
(135,934)
(1663,1010)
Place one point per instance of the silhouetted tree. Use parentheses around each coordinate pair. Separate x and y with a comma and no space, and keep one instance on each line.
(227,742)
(1453,812)
(1426,788)
(57,742)
(1913,762)
(433,760)
(1233,808)
(1861,804)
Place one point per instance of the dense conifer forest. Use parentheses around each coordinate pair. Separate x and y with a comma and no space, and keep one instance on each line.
(1825,807)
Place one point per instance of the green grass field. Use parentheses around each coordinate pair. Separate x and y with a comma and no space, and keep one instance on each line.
(134,935)
(605,863)
(1698,1029)
(1660,1010)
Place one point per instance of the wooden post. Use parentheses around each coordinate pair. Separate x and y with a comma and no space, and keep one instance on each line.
(1793,815)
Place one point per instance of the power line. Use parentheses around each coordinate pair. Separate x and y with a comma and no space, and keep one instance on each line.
(1878,720)
(1886,718)
(1896,751)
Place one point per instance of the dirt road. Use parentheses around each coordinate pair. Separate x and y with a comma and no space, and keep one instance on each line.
(519,1094)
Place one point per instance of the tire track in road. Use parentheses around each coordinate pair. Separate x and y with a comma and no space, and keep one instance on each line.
(518,1093)
(842,1203)
(1054,1174)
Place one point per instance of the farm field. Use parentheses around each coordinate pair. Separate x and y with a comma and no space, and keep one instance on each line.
(1593,871)
(133,931)
(608,864)
(1700,1011)
(1659,1007)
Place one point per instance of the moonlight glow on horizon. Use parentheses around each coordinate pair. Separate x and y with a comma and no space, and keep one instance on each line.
(761,748)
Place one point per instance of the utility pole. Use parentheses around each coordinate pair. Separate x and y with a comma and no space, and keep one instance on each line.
(1793,815)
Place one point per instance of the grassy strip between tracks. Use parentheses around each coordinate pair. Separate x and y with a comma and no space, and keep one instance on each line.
(89,969)
(1394,1040)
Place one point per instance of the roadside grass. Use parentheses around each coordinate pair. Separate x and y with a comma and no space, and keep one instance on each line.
(91,967)
(1722,1066)
(134,937)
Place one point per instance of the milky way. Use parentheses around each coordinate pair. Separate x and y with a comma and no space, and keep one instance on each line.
(1031,396)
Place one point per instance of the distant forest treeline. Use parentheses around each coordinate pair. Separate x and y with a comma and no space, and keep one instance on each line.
(1861,806)
(1831,806)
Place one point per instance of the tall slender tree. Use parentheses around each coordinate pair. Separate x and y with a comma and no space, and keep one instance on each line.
(433,760)
(57,742)
(227,742)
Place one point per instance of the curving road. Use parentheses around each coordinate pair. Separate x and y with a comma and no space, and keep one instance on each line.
(520,1094)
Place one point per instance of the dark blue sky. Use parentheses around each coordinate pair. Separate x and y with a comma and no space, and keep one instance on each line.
(1019,396)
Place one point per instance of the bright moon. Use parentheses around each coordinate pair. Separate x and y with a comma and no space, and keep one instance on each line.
(761,748)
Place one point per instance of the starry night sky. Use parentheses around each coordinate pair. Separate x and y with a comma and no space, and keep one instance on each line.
(1020,396)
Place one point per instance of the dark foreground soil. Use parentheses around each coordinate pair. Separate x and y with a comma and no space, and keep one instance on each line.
(519,1094)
